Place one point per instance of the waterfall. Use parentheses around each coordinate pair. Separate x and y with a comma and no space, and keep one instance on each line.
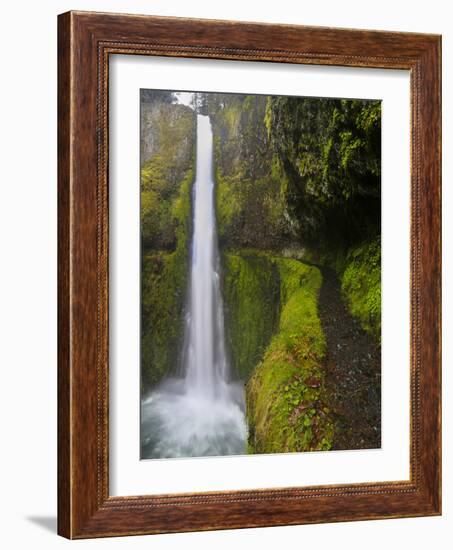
(205,360)
(200,413)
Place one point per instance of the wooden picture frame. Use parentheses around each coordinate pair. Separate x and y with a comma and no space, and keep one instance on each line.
(85,42)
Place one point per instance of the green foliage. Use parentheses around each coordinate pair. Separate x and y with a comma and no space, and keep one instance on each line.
(359,271)
(162,302)
(361,285)
(285,404)
(229,206)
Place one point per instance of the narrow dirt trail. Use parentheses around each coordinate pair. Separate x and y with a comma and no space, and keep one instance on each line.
(353,375)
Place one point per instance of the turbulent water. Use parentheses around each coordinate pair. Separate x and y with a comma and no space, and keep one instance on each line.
(200,412)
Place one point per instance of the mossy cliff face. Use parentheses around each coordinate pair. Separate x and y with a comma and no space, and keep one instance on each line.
(296,170)
(278,346)
(250,191)
(330,150)
(168,154)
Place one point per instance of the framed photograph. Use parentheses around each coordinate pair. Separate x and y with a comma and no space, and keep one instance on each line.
(249,275)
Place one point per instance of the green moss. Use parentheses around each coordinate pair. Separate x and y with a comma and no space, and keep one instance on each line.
(361,285)
(232,117)
(330,152)
(285,407)
(268,116)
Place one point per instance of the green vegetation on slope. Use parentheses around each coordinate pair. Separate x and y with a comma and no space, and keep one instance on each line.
(303,175)
(277,344)
(359,271)
(285,409)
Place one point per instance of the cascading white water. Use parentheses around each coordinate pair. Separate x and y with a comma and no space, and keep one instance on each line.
(200,413)
(205,360)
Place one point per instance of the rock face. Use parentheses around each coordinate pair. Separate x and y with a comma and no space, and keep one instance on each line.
(330,151)
(294,171)
(167,171)
(163,121)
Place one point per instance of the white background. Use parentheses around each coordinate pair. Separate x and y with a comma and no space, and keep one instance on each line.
(28,271)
